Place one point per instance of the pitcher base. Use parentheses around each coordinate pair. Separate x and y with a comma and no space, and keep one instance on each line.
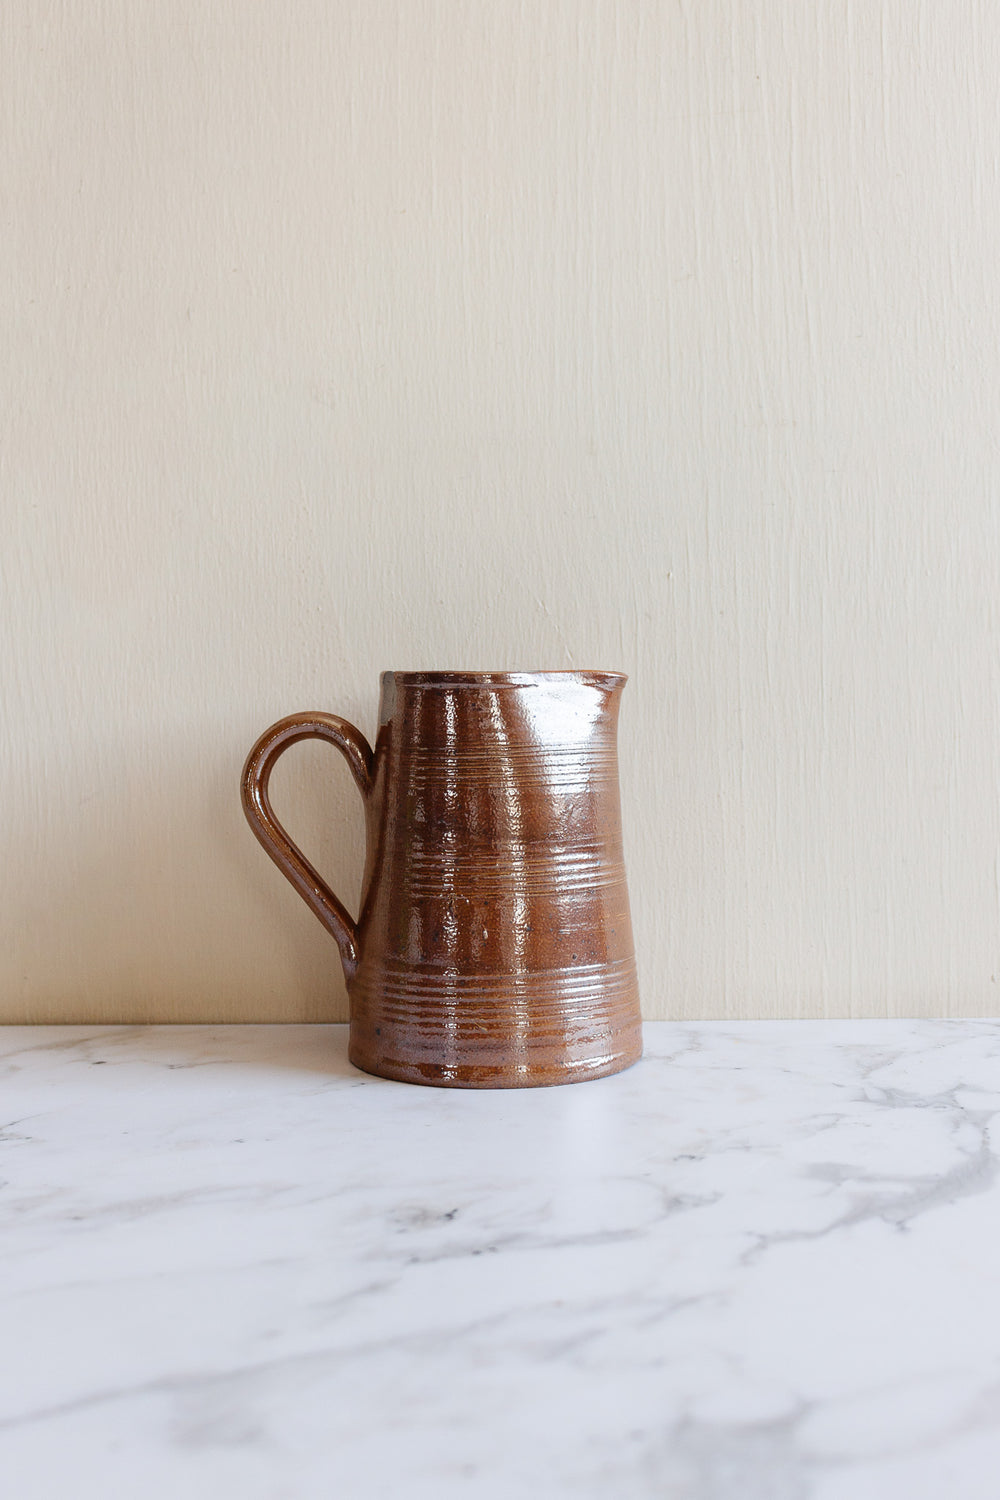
(514,1073)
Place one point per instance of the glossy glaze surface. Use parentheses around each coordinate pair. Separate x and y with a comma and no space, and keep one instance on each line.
(494,942)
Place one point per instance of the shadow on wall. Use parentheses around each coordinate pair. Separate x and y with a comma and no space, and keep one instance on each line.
(135,891)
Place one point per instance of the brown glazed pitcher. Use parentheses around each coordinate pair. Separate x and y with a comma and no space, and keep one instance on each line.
(494,946)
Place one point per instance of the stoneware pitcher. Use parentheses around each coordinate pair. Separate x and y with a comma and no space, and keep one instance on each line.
(493,948)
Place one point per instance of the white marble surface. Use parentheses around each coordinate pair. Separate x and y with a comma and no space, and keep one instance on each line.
(762,1265)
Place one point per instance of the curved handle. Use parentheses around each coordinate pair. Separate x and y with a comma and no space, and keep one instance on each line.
(286,855)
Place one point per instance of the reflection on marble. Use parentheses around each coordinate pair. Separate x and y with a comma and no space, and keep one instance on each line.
(762,1265)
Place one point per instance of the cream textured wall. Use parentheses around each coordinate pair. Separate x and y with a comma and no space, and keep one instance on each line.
(351,334)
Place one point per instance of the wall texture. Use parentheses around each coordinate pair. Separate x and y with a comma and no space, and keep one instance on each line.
(646,335)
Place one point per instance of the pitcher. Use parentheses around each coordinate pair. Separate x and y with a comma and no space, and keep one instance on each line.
(493,948)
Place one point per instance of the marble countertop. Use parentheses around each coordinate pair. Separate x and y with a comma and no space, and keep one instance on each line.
(762,1265)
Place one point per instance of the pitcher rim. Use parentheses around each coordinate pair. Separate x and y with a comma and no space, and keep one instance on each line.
(454,679)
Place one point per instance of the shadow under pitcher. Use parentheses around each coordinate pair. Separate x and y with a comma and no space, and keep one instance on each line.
(494,943)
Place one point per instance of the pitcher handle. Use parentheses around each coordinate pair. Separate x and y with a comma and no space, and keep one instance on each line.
(286,855)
